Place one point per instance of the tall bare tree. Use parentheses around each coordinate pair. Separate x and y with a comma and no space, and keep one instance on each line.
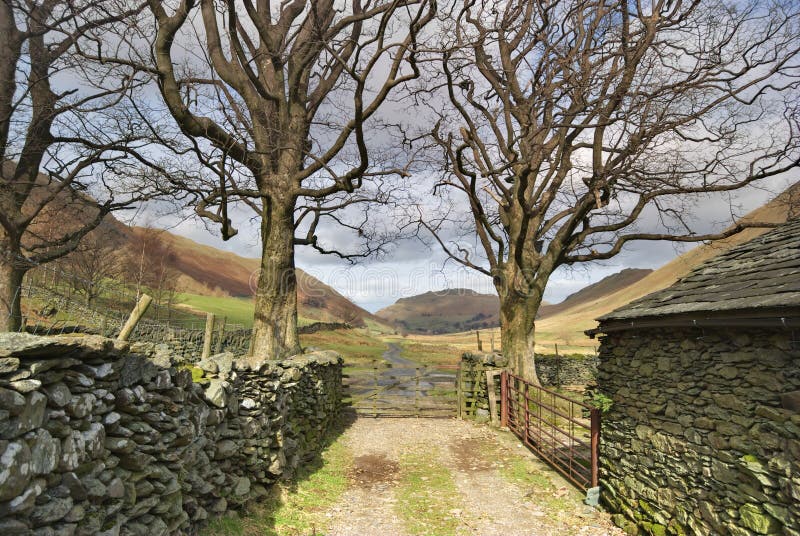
(278,100)
(94,264)
(577,126)
(149,265)
(68,144)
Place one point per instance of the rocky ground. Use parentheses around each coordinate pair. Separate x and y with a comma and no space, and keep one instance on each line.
(440,477)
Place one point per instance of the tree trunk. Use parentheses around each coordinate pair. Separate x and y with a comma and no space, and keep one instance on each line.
(10,295)
(517,331)
(275,319)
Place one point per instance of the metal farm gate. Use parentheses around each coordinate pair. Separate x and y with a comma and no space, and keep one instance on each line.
(401,389)
(562,431)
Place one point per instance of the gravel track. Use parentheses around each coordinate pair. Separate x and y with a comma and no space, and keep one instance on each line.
(489,504)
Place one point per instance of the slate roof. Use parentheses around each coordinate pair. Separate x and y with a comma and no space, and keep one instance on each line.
(762,274)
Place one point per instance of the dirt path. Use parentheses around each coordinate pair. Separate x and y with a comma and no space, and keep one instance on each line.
(447,477)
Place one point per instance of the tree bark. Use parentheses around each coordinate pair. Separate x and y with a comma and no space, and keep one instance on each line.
(517,332)
(520,299)
(10,298)
(275,320)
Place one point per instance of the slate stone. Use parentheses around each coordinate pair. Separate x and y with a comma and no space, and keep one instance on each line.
(15,468)
(13,527)
(45,452)
(11,401)
(8,364)
(120,445)
(791,401)
(755,519)
(81,405)
(111,444)
(25,344)
(136,370)
(25,386)
(33,414)
(216,394)
(116,489)
(50,511)
(72,452)
(242,486)
(73,484)
(58,394)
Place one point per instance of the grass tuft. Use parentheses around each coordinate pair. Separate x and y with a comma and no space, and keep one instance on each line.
(426,495)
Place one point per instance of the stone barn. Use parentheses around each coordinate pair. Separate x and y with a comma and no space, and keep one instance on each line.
(704,433)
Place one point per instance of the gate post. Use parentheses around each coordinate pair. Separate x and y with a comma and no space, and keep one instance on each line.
(416,393)
(460,391)
(595,423)
(504,399)
(375,392)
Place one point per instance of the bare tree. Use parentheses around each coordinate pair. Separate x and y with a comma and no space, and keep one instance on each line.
(577,126)
(94,264)
(149,265)
(277,100)
(67,143)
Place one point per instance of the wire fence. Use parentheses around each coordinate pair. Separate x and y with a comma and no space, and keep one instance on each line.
(55,302)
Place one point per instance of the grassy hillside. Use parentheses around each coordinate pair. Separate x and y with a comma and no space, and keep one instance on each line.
(209,274)
(594,292)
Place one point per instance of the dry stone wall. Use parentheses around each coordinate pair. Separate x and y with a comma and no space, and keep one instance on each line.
(97,439)
(704,433)
(552,370)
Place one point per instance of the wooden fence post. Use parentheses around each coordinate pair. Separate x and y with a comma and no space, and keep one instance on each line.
(375,391)
(557,367)
(480,344)
(138,312)
(220,334)
(208,336)
(416,394)
(490,376)
(460,390)
(504,399)
(595,445)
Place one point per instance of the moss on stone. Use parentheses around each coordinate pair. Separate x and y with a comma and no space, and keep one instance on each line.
(755,519)
(198,374)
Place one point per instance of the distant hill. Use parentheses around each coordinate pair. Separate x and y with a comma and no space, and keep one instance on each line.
(444,311)
(455,310)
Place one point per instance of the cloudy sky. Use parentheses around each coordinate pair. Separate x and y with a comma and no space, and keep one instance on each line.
(413,268)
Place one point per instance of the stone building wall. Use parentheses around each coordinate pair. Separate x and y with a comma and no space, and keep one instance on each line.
(96,439)
(704,433)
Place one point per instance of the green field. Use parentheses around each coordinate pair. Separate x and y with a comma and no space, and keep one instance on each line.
(357,346)
(236,310)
